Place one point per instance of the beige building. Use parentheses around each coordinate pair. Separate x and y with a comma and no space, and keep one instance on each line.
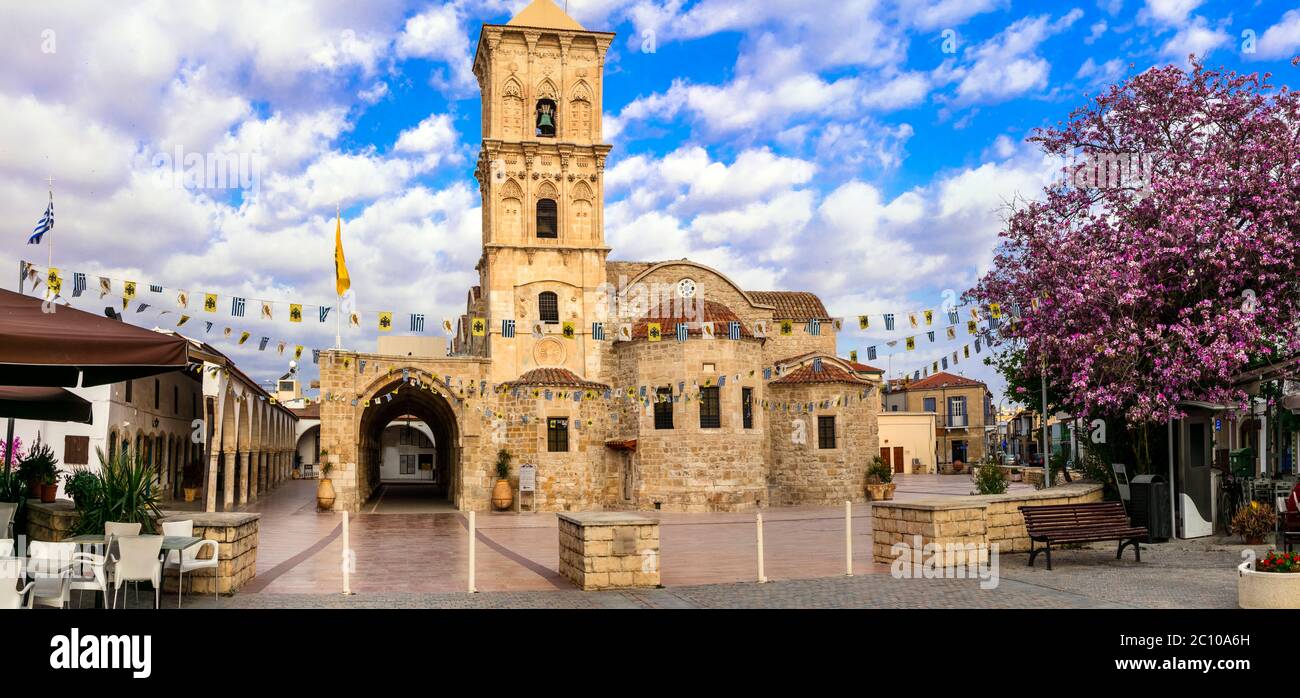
(573,363)
(908,441)
(961,407)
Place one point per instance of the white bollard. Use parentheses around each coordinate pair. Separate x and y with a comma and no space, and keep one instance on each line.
(472,589)
(848,538)
(347,552)
(762,578)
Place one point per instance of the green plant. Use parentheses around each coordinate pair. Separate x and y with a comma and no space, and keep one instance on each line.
(1279,562)
(1254,521)
(990,479)
(82,485)
(126,494)
(879,472)
(39,463)
(326,468)
(13,489)
(503,464)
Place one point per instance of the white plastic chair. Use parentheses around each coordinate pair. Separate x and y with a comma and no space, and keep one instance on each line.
(11,596)
(6,547)
(7,512)
(48,560)
(188,560)
(88,571)
(112,531)
(139,562)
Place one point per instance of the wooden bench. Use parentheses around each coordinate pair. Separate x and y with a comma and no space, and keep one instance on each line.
(1080,523)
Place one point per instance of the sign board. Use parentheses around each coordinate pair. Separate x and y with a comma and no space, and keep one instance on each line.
(1121,481)
(528,478)
(1218,424)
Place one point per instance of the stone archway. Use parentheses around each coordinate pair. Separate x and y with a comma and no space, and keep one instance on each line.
(427,406)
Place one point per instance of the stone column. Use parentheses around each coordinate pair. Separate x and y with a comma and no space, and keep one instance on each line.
(229,472)
(210,482)
(255,482)
(243,476)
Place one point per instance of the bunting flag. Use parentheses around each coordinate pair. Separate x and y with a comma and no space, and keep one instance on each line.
(930,335)
(279,348)
(295,312)
(733,329)
(706,330)
(814,327)
(243,337)
(995,311)
(539,329)
(236,307)
(864,322)
(324,312)
(297,352)
(971,327)
(184,319)
(682,332)
(652,332)
(853,355)
(385,321)
(447,327)
(207,325)
(929,318)
(625,332)
(54,281)
(889,322)
(911,343)
(911,318)
(354,319)
(568,331)
(787,328)
(871,353)
(315,356)
(598,331)
(760,329)
(261,344)
(78,284)
(128,290)
(952,316)
(142,307)
(952,332)
(417,322)
(478,327)
(266,311)
(508,329)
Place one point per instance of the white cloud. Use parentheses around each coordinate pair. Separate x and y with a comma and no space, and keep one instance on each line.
(1282,40)
(1006,65)
(1169,11)
(1197,38)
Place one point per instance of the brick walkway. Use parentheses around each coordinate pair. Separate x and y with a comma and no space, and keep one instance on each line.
(418,561)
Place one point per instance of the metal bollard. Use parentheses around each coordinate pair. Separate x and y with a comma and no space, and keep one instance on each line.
(762,578)
(347,554)
(472,536)
(848,537)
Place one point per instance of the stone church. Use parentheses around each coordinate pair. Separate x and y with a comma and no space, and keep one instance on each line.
(629,385)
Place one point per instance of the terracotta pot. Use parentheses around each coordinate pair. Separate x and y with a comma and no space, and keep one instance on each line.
(325,494)
(191,493)
(502,495)
(48,493)
(880,491)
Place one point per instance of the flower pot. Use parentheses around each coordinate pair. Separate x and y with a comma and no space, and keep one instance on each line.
(1254,540)
(325,494)
(191,493)
(48,493)
(877,492)
(1267,589)
(502,495)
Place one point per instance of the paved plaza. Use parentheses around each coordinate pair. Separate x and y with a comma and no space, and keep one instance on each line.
(409,559)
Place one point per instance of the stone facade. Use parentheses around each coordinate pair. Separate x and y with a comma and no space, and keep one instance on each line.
(608,550)
(976,520)
(544,267)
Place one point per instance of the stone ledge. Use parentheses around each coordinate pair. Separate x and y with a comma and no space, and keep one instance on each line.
(1078,489)
(606,518)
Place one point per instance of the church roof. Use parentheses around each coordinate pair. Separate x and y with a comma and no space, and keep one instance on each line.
(545,14)
(556,377)
(942,379)
(717,313)
(792,305)
(830,373)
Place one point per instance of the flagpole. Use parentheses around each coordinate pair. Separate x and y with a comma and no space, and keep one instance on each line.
(49,260)
(338,306)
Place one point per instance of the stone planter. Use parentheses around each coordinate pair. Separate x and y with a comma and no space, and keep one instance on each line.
(325,494)
(880,492)
(1267,589)
(502,495)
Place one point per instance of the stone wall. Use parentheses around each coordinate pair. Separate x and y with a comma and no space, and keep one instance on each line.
(609,550)
(801,472)
(978,520)
(50,522)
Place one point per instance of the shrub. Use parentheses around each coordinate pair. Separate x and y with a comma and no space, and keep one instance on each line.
(126,494)
(990,479)
(879,473)
(1254,521)
(39,465)
(82,485)
(503,464)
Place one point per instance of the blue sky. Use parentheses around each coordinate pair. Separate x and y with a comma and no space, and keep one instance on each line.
(863,150)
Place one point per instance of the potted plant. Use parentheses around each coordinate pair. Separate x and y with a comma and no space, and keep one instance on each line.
(37,466)
(325,487)
(990,479)
(1272,581)
(957,466)
(1254,522)
(880,481)
(502,495)
(81,485)
(124,491)
(49,488)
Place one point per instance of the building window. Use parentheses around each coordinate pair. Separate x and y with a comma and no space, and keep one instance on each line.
(747,407)
(557,434)
(127,396)
(664,408)
(893,408)
(826,431)
(194,406)
(407,463)
(547,219)
(548,307)
(710,410)
(957,412)
(545,124)
(929,405)
(176,399)
(157,394)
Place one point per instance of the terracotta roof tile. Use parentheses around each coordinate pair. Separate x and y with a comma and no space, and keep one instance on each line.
(863,368)
(943,379)
(830,373)
(792,305)
(560,377)
(714,312)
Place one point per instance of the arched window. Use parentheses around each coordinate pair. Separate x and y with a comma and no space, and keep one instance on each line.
(547,219)
(545,120)
(548,307)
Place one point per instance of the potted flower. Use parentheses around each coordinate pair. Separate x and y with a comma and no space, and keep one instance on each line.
(325,488)
(39,467)
(1254,522)
(1272,581)
(880,480)
(502,495)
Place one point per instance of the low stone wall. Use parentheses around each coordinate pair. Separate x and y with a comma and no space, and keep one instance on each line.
(978,520)
(609,550)
(235,533)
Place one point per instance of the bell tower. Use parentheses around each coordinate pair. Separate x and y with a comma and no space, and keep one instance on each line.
(541,178)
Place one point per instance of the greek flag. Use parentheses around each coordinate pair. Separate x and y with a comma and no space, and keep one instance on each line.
(207,327)
(237,307)
(930,335)
(78,283)
(261,345)
(681,332)
(889,322)
(598,331)
(324,313)
(952,316)
(155,288)
(814,327)
(417,322)
(817,365)
(508,329)
(142,307)
(315,356)
(733,330)
(44,225)
(871,353)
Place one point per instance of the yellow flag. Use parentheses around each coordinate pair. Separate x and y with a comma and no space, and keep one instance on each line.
(295,312)
(210,302)
(567,330)
(478,327)
(342,282)
(653,332)
(385,321)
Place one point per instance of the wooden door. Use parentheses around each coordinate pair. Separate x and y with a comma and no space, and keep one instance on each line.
(884,456)
(898,459)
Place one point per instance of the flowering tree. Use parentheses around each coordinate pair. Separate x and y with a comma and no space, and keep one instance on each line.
(1168,255)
